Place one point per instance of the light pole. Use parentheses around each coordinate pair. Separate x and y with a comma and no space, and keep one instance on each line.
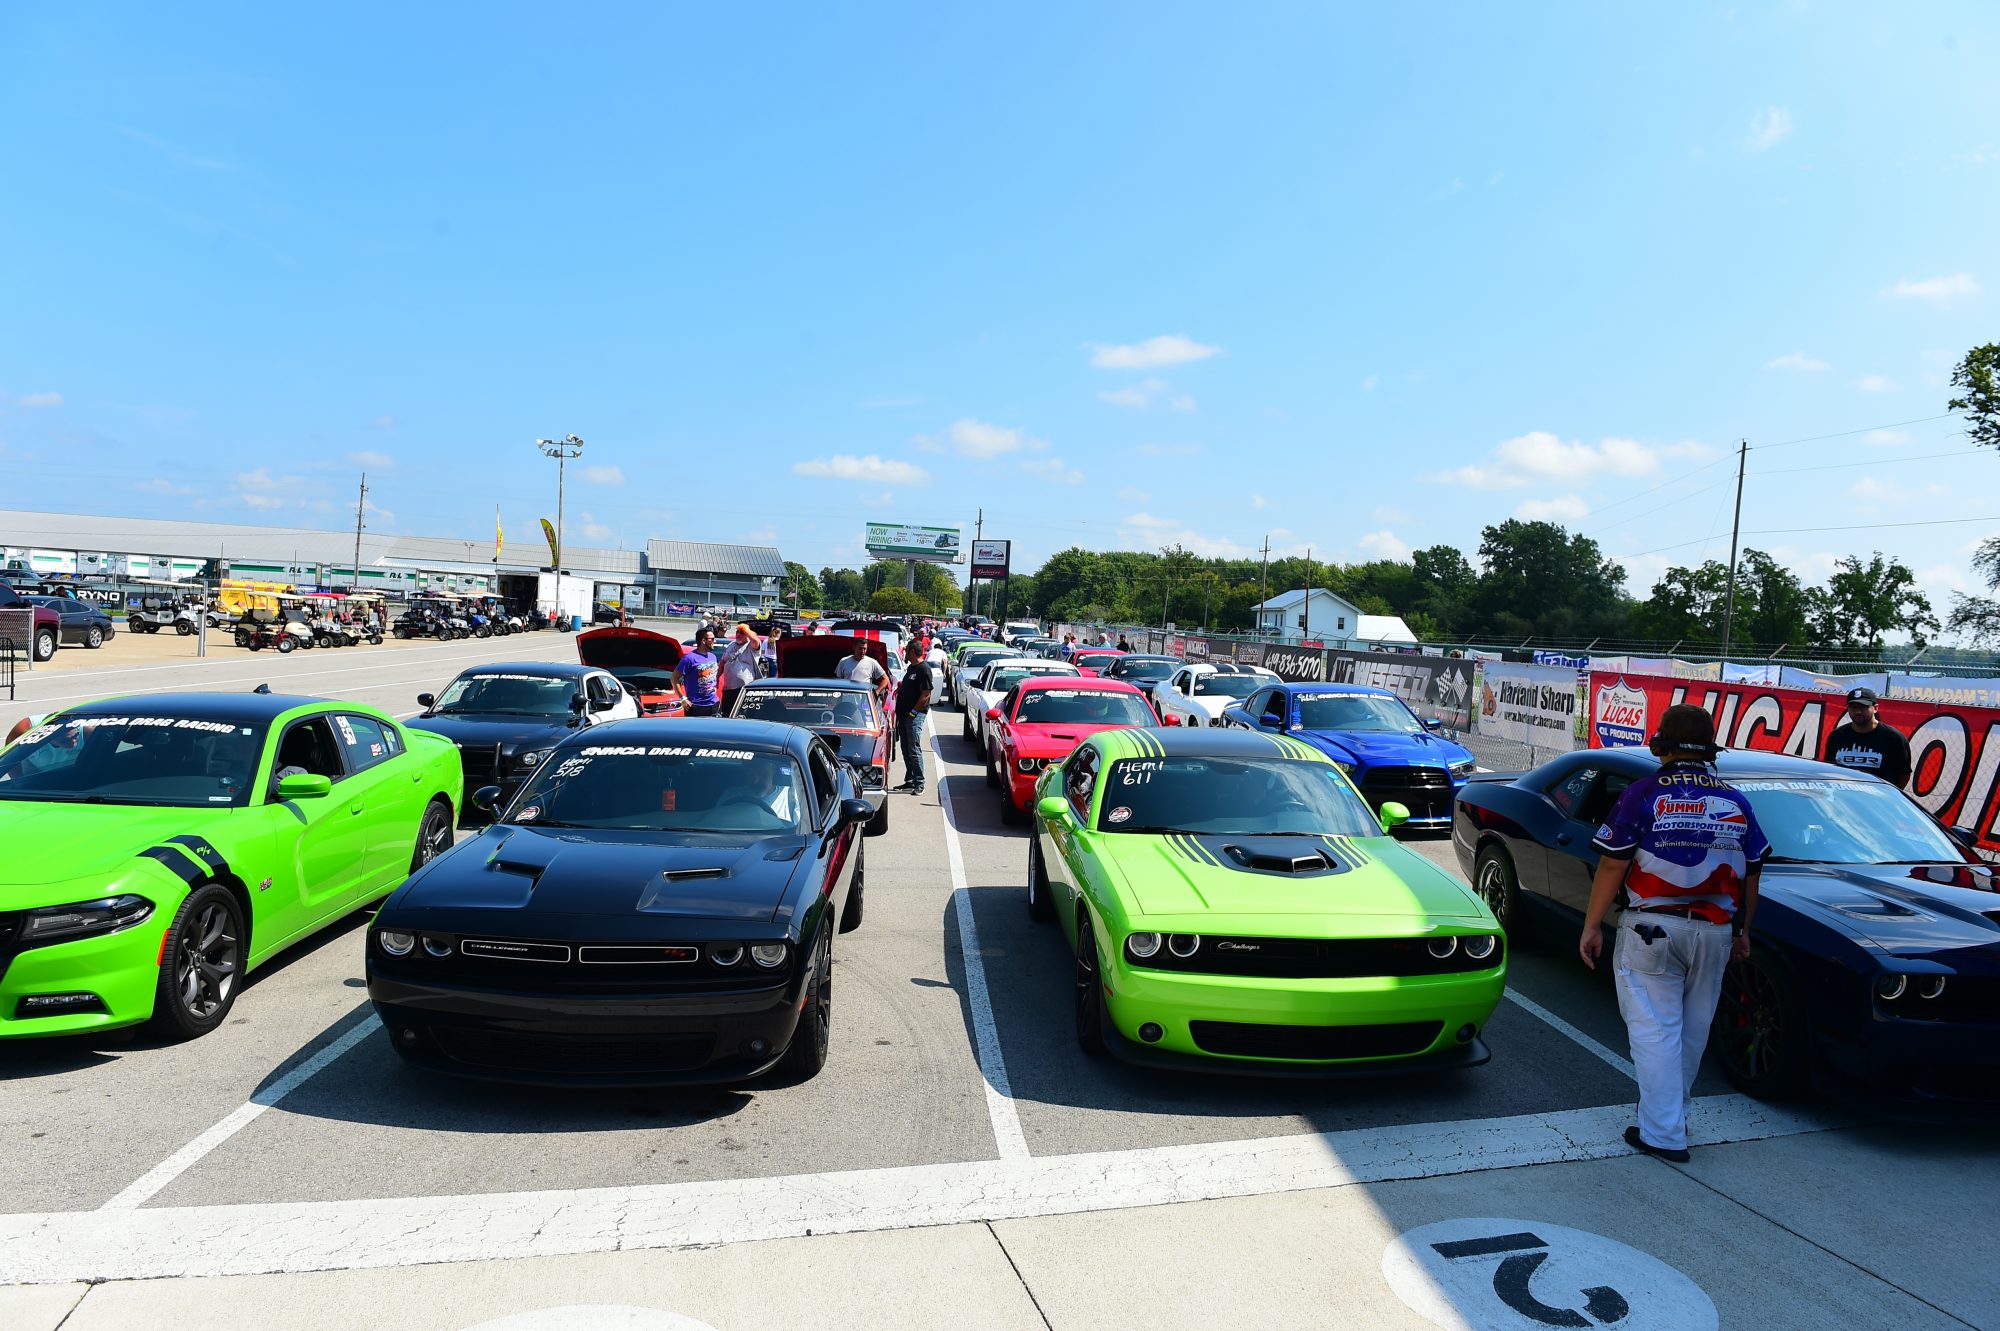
(562,450)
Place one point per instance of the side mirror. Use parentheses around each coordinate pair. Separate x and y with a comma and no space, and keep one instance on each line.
(856,811)
(1432,723)
(427,701)
(603,704)
(1052,808)
(304,786)
(1394,815)
(1170,719)
(1962,836)
(993,714)
(578,703)
(486,797)
(1277,719)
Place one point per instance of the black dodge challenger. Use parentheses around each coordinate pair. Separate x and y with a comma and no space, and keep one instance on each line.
(1874,970)
(655,906)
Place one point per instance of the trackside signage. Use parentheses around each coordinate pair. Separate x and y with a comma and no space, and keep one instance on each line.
(1954,750)
(1538,705)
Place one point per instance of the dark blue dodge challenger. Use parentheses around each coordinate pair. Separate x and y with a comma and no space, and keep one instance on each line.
(656,905)
(1874,970)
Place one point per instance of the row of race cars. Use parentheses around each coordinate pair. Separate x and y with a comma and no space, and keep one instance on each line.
(656,899)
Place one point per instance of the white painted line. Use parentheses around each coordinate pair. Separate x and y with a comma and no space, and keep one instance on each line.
(160,1175)
(1000,1110)
(1604,1052)
(286,1237)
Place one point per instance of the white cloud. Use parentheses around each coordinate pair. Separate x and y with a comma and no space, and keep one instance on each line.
(1876,383)
(42,400)
(979,439)
(886,499)
(590,529)
(1935,288)
(1564,508)
(1053,469)
(378,515)
(1384,545)
(383,422)
(1169,450)
(1170,349)
(1132,494)
(161,486)
(1980,156)
(1138,396)
(1873,494)
(1368,385)
(262,500)
(1542,457)
(1256,501)
(1181,402)
(1145,531)
(369,458)
(1797,360)
(873,469)
(606,475)
(1768,128)
(1888,438)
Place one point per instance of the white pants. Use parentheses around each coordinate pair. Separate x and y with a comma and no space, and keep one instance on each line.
(1667,991)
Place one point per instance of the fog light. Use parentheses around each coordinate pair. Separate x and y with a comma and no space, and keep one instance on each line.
(760,1046)
(48,1005)
(1143,945)
(395,944)
(1442,948)
(407,1035)
(1184,945)
(1466,1032)
(1151,1032)
(437,947)
(1889,988)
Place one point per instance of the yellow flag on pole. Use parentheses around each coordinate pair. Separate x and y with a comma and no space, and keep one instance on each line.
(499,536)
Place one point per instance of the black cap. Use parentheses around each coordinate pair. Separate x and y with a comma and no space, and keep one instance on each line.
(1685,728)
(1866,695)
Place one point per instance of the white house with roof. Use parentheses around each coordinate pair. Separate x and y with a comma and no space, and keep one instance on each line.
(1318,615)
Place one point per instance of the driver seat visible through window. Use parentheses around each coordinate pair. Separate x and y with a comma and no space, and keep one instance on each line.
(308,748)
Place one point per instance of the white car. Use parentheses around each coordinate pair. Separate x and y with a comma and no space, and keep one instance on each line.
(993,683)
(1195,695)
(963,673)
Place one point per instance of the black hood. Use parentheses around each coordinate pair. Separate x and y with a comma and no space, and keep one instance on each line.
(1906,909)
(515,871)
(855,750)
(512,733)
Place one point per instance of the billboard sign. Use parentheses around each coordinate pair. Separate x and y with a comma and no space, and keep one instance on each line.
(990,558)
(888,540)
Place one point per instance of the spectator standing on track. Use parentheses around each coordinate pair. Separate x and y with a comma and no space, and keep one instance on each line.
(863,667)
(1869,744)
(1686,848)
(1124,644)
(913,701)
(739,664)
(700,674)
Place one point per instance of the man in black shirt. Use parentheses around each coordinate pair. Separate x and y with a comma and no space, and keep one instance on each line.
(1868,744)
(913,700)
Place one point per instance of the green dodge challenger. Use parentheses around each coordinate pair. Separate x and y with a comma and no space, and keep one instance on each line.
(159,847)
(1232,904)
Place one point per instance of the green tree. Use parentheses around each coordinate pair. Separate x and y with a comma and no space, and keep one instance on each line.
(842,589)
(1978,617)
(898,601)
(1538,579)
(1686,606)
(801,586)
(1770,604)
(1863,602)
(1977,378)
(1445,585)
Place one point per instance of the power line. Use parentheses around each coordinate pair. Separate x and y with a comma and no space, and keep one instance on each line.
(1792,531)
(1869,462)
(1866,429)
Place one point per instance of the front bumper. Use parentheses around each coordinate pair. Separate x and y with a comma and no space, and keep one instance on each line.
(121,970)
(663,1039)
(1920,1071)
(1393,1023)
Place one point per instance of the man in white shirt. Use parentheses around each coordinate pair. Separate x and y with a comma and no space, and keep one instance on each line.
(739,665)
(863,667)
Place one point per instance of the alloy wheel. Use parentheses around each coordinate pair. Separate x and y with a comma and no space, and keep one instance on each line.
(205,969)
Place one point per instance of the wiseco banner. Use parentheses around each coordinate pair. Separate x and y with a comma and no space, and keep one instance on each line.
(1954,751)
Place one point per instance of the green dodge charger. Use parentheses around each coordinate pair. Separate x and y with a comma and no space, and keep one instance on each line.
(1233,905)
(160,847)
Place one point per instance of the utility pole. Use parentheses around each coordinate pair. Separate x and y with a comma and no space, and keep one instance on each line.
(562,450)
(1735,529)
(972,586)
(1263,583)
(1306,628)
(360,513)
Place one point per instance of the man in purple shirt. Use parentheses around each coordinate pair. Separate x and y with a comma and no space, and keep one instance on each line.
(701,674)
(1685,847)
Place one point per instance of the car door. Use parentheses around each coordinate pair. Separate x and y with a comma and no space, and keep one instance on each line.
(1068,838)
(77,619)
(1584,799)
(824,770)
(608,700)
(324,841)
(1168,696)
(386,784)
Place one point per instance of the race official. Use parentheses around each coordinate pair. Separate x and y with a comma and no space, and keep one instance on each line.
(1869,744)
(913,701)
(700,674)
(1686,848)
(739,664)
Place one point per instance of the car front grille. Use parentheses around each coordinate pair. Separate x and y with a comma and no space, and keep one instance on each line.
(1247,1040)
(1407,778)
(1318,958)
(595,968)
(481,763)
(533,1051)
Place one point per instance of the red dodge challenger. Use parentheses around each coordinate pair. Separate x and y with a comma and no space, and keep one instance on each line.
(1041,719)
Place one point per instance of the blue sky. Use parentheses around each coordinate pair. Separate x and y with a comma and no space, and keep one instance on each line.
(1121,274)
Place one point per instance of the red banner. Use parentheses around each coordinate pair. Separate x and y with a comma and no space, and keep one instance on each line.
(1954,751)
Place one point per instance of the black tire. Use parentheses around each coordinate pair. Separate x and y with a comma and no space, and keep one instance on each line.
(242,638)
(202,965)
(1760,1036)
(374,640)
(1040,908)
(254,645)
(45,644)
(434,835)
(287,643)
(182,627)
(806,1055)
(1497,884)
(400,631)
(1010,815)
(992,772)
(93,637)
(850,914)
(879,824)
(965,726)
(1087,994)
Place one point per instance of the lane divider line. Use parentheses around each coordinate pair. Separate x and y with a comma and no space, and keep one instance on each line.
(1000,1109)
(149,1184)
(1603,1052)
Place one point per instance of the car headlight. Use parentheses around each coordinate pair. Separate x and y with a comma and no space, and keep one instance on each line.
(1480,946)
(1889,988)
(1346,769)
(1030,766)
(531,759)
(1930,987)
(1442,948)
(768,955)
(1466,768)
(396,944)
(52,924)
(1143,945)
(725,954)
(873,774)
(436,946)
(1183,945)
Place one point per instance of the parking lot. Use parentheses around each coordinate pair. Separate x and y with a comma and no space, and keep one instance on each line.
(293,1141)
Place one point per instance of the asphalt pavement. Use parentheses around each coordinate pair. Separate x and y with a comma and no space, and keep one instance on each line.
(958,1162)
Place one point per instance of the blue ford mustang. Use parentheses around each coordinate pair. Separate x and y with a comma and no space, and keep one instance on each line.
(1874,969)
(1375,738)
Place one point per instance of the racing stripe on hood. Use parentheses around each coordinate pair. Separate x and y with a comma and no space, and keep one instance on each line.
(1195,851)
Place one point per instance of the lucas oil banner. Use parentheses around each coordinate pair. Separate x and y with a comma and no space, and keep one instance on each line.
(1954,750)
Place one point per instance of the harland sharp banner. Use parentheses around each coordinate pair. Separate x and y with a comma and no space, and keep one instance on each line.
(1954,750)
(1539,705)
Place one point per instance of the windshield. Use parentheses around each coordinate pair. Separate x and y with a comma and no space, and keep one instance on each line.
(844,709)
(1129,667)
(516,695)
(1007,678)
(1094,660)
(1226,686)
(1356,711)
(1846,822)
(129,759)
(665,788)
(1226,795)
(1082,707)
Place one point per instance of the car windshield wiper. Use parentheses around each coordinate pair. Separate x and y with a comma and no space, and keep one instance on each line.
(1789,859)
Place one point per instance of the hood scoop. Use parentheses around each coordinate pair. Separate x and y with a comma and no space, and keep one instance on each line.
(686,875)
(1292,856)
